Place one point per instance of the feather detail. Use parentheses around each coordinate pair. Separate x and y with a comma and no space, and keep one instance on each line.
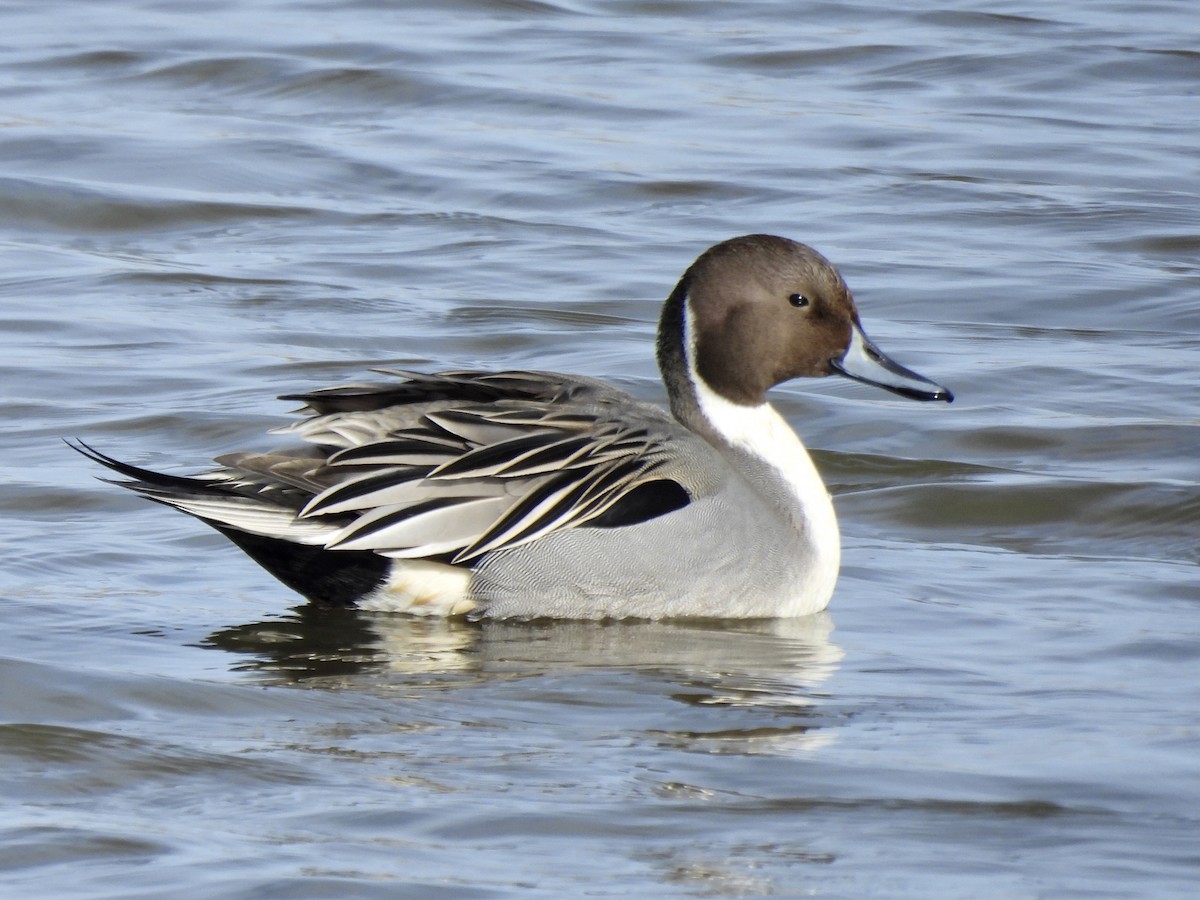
(429,528)
(451,466)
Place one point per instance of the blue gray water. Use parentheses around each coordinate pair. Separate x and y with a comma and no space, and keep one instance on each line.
(201,209)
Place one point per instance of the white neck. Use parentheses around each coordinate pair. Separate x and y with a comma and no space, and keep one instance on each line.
(765,435)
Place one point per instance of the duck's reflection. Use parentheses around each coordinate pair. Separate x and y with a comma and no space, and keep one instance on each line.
(777,666)
(314,642)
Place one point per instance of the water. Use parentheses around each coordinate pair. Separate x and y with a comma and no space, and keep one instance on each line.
(202,209)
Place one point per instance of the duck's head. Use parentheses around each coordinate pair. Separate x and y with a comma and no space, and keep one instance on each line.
(758,310)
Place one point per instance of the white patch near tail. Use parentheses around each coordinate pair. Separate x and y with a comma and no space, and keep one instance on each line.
(422,588)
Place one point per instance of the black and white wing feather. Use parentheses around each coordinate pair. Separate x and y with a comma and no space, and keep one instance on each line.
(450,466)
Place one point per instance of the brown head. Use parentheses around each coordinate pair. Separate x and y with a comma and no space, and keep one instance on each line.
(758,310)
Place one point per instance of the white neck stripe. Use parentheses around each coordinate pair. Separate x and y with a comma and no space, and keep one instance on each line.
(761,432)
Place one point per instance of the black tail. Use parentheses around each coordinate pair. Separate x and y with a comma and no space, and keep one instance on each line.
(330,577)
(144,478)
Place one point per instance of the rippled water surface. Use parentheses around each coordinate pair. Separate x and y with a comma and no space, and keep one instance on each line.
(200,210)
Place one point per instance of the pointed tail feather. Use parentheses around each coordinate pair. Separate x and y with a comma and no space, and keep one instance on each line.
(267,532)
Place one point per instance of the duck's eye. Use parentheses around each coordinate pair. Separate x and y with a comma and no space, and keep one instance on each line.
(798,300)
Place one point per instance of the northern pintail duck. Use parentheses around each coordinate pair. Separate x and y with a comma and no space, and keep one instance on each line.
(533,494)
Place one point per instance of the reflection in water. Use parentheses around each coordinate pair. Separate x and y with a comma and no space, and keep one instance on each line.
(771,667)
(316,642)
(313,642)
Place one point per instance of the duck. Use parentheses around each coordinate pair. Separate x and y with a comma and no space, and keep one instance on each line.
(530,494)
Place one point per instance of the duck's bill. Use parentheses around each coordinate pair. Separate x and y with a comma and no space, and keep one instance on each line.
(865,362)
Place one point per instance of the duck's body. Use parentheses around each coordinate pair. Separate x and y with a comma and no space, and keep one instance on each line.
(532,494)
